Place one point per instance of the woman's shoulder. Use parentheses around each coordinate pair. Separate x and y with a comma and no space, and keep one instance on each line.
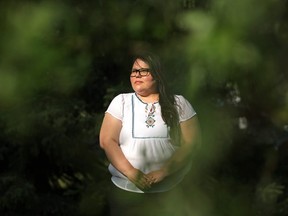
(180,98)
(117,102)
(128,94)
(123,97)
(182,101)
(184,107)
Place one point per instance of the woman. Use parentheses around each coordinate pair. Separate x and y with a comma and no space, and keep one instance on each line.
(148,137)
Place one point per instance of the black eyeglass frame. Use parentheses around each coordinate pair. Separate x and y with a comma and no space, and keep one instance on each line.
(141,71)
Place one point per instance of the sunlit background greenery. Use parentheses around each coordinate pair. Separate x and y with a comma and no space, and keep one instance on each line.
(63,61)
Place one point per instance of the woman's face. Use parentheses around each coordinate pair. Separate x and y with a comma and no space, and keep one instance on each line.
(143,85)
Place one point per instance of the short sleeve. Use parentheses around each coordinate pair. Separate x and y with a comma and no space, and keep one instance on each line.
(115,108)
(185,109)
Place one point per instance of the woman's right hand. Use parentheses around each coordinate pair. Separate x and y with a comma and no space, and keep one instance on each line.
(140,179)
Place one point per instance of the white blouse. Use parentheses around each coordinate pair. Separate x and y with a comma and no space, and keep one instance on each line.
(144,139)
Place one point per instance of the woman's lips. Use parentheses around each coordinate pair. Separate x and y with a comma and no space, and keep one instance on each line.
(138,82)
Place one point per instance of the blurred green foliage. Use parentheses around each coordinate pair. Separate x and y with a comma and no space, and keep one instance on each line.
(237,73)
(63,61)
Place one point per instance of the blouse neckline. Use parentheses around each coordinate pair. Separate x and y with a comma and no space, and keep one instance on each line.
(144,101)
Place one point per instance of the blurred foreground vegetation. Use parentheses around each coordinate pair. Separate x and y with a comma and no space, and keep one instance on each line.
(63,61)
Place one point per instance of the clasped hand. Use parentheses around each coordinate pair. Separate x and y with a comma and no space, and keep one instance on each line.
(145,181)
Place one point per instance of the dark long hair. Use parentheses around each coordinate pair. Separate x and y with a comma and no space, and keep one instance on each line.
(166,97)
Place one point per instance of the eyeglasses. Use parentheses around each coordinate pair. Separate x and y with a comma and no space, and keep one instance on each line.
(142,72)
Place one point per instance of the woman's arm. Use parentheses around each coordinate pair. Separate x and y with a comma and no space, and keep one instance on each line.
(190,134)
(109,142)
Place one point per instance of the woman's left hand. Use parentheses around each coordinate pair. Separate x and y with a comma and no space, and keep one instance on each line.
(157,175)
